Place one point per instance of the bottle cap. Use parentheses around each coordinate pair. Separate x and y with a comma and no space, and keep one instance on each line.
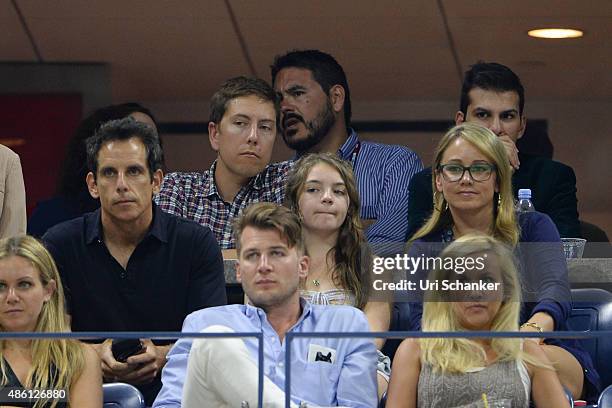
(524,193)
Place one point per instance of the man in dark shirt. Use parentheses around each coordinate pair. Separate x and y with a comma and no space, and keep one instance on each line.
(493,96)
(129,266)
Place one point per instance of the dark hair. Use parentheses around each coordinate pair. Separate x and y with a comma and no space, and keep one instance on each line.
(124,129)
(325,70)
(270,216)
(241,86)
(71,182)
(490,76)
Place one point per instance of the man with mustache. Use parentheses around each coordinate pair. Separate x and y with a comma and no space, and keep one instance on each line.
(242,129)
(129,266)
(316,117)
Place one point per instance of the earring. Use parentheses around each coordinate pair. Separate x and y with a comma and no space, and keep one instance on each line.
(499,200)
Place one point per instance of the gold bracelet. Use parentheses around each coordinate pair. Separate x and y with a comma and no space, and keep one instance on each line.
(534,325)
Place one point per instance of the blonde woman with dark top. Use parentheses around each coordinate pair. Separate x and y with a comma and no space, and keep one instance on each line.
(32,300)
(473,194)
(474,372)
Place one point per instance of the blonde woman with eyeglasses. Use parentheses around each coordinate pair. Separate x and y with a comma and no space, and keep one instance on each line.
(473,194)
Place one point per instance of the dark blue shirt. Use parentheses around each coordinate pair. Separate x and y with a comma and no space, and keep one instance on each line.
(176,269)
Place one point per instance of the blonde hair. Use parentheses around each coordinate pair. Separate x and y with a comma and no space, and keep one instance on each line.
(66,356)
(456,355)
(350,254)
(504,226)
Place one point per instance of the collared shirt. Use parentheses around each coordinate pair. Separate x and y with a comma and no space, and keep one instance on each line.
(177,268)
(194,196)
(349,381)
(383,173)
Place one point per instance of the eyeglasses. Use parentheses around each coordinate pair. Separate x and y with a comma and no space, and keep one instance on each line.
(455,172)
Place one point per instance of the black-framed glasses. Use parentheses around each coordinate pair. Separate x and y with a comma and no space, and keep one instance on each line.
(478,172)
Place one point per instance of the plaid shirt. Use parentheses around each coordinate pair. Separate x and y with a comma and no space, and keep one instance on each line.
(194,196)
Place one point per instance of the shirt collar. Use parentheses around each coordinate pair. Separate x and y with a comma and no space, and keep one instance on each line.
(305,306)
(256,182)
(209,182)
(348,147)
(345,150)
(158,229)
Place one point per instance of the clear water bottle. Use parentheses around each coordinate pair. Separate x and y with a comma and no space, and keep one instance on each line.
(524,203)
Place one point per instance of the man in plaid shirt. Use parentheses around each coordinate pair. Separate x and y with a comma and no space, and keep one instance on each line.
(242,128)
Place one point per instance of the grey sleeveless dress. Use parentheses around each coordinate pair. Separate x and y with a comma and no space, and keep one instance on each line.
(502,380)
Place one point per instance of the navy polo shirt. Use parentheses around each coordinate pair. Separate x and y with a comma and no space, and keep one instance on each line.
(176,269)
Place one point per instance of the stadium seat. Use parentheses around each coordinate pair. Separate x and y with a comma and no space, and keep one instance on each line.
(592,311)
(605,398)
(120,395)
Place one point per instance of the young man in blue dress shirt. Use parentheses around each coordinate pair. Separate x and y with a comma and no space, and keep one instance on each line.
(223,372)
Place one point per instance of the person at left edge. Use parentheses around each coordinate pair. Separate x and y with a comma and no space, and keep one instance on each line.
(129,266)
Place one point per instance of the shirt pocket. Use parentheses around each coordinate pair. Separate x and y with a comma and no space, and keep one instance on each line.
(316,382)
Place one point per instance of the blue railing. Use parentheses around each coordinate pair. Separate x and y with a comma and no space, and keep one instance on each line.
(291,336)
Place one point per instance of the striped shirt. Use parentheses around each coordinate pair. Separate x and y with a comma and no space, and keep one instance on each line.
(383,173)
(195,196)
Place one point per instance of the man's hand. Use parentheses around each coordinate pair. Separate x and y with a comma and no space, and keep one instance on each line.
(511,151)
(112,370)
(138,369)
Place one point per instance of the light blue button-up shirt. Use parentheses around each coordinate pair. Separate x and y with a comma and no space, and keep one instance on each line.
(349,381)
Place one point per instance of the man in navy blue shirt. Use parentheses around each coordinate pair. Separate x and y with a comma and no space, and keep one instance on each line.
(316,117)
(129,266)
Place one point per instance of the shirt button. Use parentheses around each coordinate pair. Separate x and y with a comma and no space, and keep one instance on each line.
(281,364)
(122,275)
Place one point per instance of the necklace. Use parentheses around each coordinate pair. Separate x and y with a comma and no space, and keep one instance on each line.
(316,282)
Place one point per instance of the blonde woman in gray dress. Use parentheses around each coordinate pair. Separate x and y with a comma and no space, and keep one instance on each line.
(474,372)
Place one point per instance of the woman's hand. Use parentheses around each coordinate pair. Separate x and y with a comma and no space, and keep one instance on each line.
(539,320)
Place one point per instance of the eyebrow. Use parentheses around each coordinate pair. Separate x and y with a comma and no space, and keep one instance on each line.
(250,250)
(340,183)
(460,161)
(241,116)
(295,88)
(513,110)
(277,247)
